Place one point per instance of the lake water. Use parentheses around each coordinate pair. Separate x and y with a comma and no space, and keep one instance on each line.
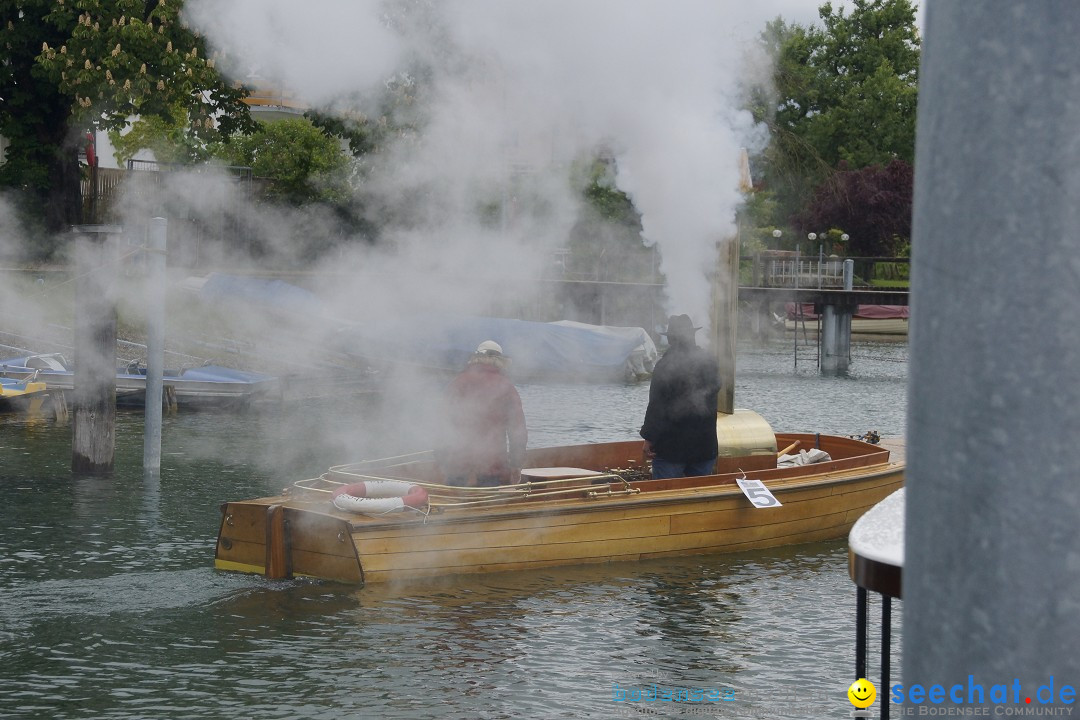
(111,607)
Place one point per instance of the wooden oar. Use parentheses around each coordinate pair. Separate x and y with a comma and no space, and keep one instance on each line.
(789,448)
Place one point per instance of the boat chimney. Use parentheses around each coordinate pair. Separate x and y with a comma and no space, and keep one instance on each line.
(725,301)
(724,319)
(740,433)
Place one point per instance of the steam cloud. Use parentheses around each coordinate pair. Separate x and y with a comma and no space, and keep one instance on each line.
(522,89)
(508,95)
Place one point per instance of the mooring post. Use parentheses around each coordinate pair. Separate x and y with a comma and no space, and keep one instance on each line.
(835,339)
(58,402)
(835,328)
(155,344)
(94,394)
(828,327)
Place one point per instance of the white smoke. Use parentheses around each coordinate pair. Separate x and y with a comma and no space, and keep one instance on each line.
(522,89)
(320,49)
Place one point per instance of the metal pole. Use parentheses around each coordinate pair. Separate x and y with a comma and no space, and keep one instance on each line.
(828,340)
(798,309)
(886,641)
(155,344)
(860,632)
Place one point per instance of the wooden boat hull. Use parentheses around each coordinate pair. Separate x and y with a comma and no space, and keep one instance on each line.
(298,534)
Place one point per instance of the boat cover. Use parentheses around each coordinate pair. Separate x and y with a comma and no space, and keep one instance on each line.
(564,350)
(260,292)
(555,351)
(217,373)
(870,312)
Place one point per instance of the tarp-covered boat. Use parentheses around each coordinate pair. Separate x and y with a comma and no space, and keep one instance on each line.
(560,351)
(866,320)
(563,351)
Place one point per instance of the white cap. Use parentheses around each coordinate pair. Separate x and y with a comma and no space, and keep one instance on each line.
(489,347)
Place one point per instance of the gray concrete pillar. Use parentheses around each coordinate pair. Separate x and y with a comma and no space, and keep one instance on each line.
(835,340)
(992,564)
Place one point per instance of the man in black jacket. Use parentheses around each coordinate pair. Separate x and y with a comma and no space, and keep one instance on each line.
(680,422)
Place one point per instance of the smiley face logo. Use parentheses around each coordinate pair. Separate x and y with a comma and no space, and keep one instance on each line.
(862,693)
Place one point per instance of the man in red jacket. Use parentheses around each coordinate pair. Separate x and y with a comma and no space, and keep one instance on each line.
(487,425)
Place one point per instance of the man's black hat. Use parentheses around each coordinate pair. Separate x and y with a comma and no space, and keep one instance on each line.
(680,326)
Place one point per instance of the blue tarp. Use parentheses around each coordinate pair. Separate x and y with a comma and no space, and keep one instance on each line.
(537,349)
(270,294)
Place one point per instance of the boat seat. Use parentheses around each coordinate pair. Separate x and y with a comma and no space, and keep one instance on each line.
(556,473)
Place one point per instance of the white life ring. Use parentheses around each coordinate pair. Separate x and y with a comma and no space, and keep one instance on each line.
(379,496)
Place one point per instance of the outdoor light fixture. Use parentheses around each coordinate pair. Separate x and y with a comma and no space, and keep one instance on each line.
(811,237)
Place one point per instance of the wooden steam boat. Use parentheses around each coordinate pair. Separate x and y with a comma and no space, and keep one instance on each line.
(575,505)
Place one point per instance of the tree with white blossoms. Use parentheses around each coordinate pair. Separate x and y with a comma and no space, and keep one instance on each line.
(76,65)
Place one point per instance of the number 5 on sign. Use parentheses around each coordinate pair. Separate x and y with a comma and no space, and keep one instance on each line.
(756,492)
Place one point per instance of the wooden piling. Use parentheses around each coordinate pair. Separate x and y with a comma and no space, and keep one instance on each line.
(94,395)
(59,406)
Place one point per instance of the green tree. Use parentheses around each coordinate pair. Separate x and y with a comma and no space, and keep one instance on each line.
(171,141)
(789,166)
(302,163)
(75,65)
(867,67)
(842,93)
(605,243)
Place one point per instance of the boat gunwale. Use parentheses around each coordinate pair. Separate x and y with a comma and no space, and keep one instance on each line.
(569,506)
(876,461)
(868,455)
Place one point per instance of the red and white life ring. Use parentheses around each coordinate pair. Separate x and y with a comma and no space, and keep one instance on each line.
(380,496)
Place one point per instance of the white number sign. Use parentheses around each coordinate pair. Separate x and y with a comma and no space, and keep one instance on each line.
(756,492)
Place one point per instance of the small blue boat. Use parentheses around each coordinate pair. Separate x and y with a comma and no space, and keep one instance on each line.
(196,386)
